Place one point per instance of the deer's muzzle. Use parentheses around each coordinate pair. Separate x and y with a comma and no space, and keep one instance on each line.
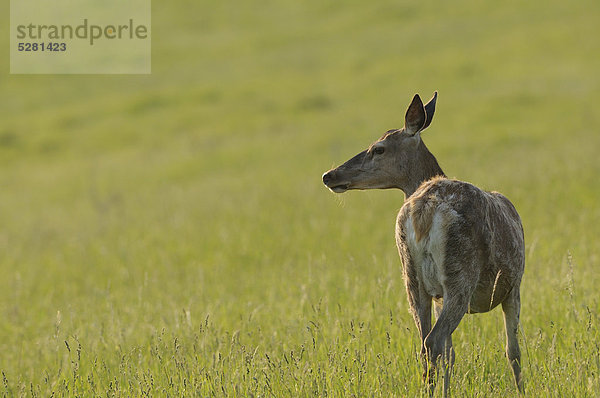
(331,181)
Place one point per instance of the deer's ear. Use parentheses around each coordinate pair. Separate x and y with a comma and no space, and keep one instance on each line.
(430,110)
(415,116)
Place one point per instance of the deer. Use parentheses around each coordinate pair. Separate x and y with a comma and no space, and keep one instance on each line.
(462,249)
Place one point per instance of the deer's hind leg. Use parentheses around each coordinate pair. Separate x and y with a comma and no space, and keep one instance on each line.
(438,343)
(512,308)
(420,304)
(448,352)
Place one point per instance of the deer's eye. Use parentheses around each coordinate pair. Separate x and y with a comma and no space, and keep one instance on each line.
(378,150)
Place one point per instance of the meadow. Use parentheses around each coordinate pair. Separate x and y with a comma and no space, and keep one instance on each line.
(169,234)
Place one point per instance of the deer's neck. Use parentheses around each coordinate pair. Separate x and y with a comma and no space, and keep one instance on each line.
(423,168)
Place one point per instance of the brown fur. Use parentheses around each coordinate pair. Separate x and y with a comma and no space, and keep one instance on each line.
(422,209)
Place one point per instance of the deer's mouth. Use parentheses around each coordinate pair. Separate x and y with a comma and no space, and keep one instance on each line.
(332,180)
(339,188)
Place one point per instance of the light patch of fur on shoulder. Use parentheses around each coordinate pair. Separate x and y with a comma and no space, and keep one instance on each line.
(422,210)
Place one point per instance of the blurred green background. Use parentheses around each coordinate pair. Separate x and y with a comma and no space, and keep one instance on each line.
(170,234)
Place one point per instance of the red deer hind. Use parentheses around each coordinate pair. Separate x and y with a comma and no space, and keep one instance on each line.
(461,248)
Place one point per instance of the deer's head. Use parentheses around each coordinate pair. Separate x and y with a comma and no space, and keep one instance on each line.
(399,159)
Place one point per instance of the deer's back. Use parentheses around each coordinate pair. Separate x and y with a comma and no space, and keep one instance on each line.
(453,235)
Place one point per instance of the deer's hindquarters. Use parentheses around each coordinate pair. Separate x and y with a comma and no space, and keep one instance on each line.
(460,239)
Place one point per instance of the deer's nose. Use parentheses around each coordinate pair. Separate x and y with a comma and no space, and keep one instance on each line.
(327,177)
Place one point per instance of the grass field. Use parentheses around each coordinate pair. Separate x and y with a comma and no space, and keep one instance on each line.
(169,235)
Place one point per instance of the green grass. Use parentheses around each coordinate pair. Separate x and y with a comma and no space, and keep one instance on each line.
(168,235)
